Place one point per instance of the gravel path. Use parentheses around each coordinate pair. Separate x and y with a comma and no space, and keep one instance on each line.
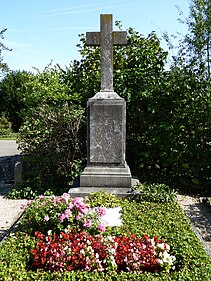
(200,217)
(10,210)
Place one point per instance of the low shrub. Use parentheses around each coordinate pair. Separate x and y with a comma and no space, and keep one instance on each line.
(104,199)
(56,214)
(154,193)
(49,140)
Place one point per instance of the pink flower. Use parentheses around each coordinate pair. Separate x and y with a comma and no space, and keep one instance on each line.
(66,197)
(101,227)
(52,197)
(79,216)
(85,210)
(22,206)
(68,213)
(70,206)
(46,218)
(62,217)
(78,200)
(29,202)
(101,211)
(87,223)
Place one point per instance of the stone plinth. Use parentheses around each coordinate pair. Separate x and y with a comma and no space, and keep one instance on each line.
(106,133)
(106,130)
(106,168)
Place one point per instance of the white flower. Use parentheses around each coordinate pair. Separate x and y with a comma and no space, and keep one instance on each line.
(166,258)
(82,251)
(49,232)
(163,246)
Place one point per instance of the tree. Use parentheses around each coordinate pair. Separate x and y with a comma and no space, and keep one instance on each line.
(3,66)
(15,90)
(196,45)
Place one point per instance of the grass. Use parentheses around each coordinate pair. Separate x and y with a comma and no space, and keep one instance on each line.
(8,135)
(165,220)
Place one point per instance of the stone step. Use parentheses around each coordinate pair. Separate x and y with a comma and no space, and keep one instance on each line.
(85,191)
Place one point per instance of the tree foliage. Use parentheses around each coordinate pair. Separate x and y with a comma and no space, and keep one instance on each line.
(15,94)
(3,66)
(195,48)
(50,141)
(168,112)
(49,134)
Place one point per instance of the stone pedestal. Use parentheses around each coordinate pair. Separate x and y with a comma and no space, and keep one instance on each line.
(106,134)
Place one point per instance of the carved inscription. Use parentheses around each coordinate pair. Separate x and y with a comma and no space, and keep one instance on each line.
(106,137)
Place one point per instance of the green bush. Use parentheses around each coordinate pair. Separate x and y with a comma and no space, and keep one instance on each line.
(50,143)
(171,144)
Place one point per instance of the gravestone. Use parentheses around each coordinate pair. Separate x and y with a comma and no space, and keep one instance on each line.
(106,129)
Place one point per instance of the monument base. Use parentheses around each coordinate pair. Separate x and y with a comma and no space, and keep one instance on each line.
(101,176)
(115,180)
(86,191)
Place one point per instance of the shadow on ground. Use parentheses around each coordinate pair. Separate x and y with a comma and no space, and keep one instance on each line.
(200,215)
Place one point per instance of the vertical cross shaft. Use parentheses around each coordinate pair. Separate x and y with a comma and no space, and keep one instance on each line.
(106,38)
(106,30)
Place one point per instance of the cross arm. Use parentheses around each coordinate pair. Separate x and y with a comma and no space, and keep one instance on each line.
(93,38)
(118,38)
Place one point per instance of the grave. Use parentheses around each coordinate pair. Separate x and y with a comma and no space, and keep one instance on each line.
(106,167)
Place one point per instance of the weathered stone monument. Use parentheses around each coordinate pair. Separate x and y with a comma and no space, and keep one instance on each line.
(106,129)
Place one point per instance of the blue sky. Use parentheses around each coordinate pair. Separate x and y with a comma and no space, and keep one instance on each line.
(39,31)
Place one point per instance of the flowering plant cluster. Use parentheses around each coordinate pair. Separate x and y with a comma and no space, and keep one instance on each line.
(72,236)
(64,213)
(82,251)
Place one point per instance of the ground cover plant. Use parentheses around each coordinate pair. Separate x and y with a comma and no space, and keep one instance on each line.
(155,242)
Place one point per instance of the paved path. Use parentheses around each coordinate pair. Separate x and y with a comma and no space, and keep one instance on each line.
(10,211)
(200,217)
(8,148)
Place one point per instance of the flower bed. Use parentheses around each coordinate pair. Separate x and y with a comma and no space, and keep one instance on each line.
(117,254)
(82,251)
(74,237)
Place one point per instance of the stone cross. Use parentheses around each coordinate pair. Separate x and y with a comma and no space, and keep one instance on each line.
(106,38)
(106,167)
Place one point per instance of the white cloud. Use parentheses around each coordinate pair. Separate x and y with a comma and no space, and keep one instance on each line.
(83,9)
(17,45)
